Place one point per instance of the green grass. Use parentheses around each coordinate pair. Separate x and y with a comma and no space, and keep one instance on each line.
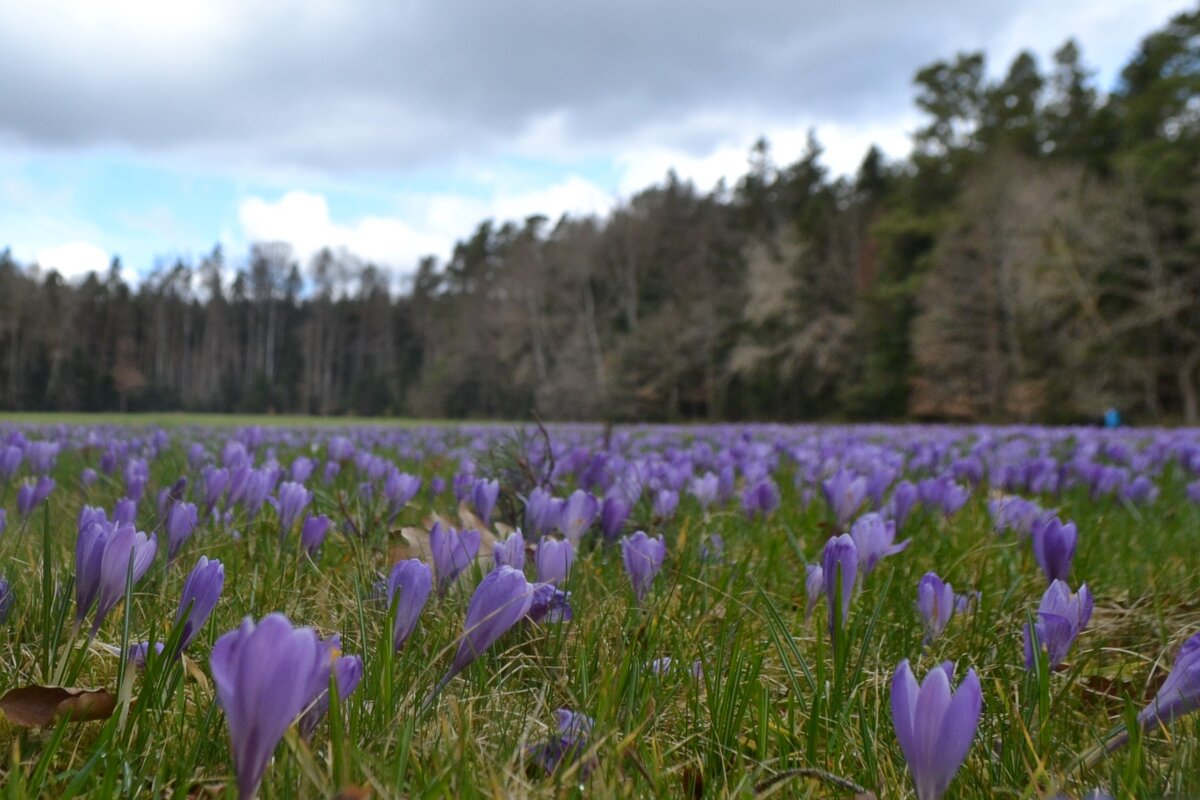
(770,710)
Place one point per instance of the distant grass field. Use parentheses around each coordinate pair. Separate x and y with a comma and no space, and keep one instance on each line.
(183,419)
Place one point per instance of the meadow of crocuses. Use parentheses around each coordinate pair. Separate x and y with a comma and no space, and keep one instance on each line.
(789,611)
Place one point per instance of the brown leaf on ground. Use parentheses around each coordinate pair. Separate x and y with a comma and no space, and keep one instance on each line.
(39,706)
(353,793)
(413,543)
(469,521)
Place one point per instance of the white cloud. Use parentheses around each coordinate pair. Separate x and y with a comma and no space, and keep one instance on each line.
(74,259)
(428,224)
(302,219)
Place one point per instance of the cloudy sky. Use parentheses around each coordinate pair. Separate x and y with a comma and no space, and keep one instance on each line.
(392,127)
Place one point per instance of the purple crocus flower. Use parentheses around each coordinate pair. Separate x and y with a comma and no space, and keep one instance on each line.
(301,469)
(181,521)
(613,513)
(643,558)
(1060,618)
(935,724)
(1180,693)
(553,559)
(542,512)
(1193,492)
(88,476)
(170,495)
(665,503)
(399,488)
(578,514)
(954,497)
(845,493)
(138,653)
(32,494)
(814,587)
(291,500)
(761,498)
(89,515)
(10,461)
(137,475)
(3,520)
(569,745)
(216,481)
(509,552)
(550,604)
(413,581)
(125,511)
(452,552)
(6,600)
(500,601)
(347,672)
(1054,547)
(874,537)
(264,676)
(102,558)
(705,489)
(936,604)
(1012,513)
(201,591)
(839,561)
(712,549)
(904,500)
(483,496)
(313,532)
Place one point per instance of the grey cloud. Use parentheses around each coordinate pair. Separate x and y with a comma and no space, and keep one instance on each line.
(394,84)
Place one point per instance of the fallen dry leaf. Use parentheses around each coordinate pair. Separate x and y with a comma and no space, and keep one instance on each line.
(414,543)
(39,706)
(353,793)
(194,672)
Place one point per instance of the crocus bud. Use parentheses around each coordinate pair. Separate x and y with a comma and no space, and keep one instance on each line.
(904,499)
(578,514)
(346,671)
(509,552)
(935,603)
(874,537)
(553,559)
(1180,693)
(814,587)
(412,581)
(705,489)
(181,521)
(613,513)
(264,676)
(102,559)
(550,604)
(483,496)
(500,601)
(313,532)
(452,552)
(935,724)
(839,562)
(291,500)
(201,591)
(1060,618)
(665,502)
(845,493)
(643,558)
(1054,547)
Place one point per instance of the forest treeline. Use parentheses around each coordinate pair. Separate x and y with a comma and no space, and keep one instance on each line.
(1036,257)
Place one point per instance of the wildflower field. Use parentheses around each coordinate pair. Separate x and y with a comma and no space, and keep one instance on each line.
(511,611)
